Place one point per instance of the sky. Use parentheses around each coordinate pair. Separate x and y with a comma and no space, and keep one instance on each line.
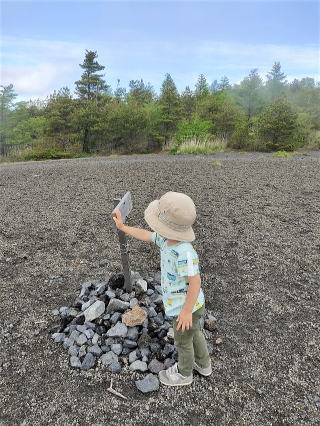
(43,42)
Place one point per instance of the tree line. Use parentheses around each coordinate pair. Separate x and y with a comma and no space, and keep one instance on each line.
(251,115)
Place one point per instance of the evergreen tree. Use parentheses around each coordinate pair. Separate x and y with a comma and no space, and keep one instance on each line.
(91,84)
(214,86)
(120,92)
(224,84)
(7,96)
(90,88)
(249,93)
(170,107)
(59,114)
(188,103)
(140,93)
(201,88)
(277,124)
(276,82)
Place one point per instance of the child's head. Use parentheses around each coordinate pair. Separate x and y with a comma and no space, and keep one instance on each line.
(172,216)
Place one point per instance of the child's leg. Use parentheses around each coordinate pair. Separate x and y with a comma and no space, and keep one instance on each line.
(184,344)
(201,354)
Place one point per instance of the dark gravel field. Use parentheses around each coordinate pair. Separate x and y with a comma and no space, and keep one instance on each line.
(257,231)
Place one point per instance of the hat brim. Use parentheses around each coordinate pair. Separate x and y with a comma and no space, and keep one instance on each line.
(151,217)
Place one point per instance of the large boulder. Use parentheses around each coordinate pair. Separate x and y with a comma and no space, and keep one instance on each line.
(95,310)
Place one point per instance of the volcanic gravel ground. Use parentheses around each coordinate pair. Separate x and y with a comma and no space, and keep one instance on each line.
(258,242)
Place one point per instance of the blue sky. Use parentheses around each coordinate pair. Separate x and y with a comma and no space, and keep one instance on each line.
(44,42)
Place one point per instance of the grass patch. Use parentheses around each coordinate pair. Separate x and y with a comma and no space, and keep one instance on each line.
(282,154)
(199,146)
(217,163)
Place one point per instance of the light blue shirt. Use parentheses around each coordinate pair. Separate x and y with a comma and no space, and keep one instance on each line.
(177,263)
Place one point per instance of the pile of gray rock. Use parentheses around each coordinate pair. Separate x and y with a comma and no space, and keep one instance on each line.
(108,325)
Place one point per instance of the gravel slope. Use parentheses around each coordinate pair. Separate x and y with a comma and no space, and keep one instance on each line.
(258,241)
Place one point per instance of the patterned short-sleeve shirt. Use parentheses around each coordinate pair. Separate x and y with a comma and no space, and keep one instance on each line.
(177,263)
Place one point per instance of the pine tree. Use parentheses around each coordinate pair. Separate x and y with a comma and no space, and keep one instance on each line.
(140,92)
(188,103)
(224,84)
(201,88)
(170,107)
(214,86)
(7,96)
(91,84)
(90,89)
(276,82)
(249,93)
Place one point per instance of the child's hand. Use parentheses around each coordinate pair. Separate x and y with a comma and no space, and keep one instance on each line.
(118,220)
(184,320)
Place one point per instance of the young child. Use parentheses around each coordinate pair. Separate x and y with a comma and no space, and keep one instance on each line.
(171,218)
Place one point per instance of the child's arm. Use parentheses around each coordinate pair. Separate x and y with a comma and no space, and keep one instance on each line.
(140,234)
(184,319)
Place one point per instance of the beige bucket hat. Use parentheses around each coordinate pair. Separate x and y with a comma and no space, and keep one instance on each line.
(172,216)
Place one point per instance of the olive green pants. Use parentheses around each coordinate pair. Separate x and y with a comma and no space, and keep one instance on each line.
(191,345)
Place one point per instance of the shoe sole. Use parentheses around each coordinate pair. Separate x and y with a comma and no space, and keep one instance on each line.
(177,384)
(205,375)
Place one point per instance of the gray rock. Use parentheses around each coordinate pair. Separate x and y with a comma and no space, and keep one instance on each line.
(125,297)
(73,350)
(165,326)
(67,343)
(108,358)
(170,333)
(114,367)
(145,323)
(75,362)
(101,288)
(115,317)
(95,338)
(133,333)
(74,335)
(139,366)
(90,324)
(89,333)
(81,328)
(111,294)
(95,350)
(118,330)
(158,288)
(149,384)
(150,291)
(86,305)
(145,359)
(64,311)
(88,361)
(110,341)
(168,362)
(94,311)
(116,348)
(154,347)
(168,349)
(152,312)
(106,316)
(82,351)
(141,286)
(156,299)
(132,357)
(159,318)
(131,344)
(81,339)
(58,337)
(117,305)
(145,352)
(155,366)
(133,302)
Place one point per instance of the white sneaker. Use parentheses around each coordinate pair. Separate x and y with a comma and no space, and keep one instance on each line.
(172,377)
(203,371)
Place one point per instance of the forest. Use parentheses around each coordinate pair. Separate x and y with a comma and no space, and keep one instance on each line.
(254,115)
